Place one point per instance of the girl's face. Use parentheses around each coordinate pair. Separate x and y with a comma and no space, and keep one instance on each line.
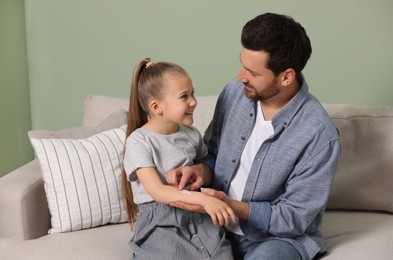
(178,101)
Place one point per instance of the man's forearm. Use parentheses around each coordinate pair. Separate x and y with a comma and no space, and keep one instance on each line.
(241,209)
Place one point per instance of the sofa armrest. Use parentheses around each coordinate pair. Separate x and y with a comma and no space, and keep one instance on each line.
(24,212)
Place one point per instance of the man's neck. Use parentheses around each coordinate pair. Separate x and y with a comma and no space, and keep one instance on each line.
(271,106)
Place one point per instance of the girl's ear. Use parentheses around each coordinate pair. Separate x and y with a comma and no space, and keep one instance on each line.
(288,77)
(154,107)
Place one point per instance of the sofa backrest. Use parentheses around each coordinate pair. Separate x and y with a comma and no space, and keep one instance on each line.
(97,108)
(364,178)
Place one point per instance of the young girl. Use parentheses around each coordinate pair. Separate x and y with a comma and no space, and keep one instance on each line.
(159,138)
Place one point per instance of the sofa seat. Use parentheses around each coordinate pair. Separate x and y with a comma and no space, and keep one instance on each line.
(358,235)
(100,243)
(348,234)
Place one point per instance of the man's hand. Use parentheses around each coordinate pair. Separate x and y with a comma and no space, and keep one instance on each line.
(181,176)
(241,209)
(215,193)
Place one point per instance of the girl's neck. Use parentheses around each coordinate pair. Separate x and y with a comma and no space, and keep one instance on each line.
(160,127)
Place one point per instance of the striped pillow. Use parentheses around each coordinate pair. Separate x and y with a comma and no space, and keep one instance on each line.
(83,179)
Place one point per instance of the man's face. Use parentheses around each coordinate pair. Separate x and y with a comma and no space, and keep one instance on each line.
(260,83)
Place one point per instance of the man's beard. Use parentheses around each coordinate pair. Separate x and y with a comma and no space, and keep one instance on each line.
(268,93)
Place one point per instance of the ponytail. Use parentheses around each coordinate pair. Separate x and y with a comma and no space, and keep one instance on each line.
(147,83)
(137,117)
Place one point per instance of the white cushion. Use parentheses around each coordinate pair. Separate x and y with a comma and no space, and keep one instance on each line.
(97,108)
(116,119)
(83,179)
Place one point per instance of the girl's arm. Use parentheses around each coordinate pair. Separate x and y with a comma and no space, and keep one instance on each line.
(218,210)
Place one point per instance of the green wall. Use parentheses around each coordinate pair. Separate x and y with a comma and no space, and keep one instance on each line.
(78,48)
(15,118)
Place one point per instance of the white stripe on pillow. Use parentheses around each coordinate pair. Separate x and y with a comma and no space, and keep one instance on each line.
(83,179)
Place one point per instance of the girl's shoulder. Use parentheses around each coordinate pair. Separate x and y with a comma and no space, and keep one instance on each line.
(191,132)
(137,136)
(189,129)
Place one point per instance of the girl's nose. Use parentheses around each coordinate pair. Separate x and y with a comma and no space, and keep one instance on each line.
(193,102)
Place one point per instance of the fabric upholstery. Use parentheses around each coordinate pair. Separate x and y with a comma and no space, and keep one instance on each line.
(115,119)
(83,179)
(364,178)
(97,108)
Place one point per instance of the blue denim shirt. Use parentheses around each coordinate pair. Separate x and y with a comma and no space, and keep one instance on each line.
(292,172)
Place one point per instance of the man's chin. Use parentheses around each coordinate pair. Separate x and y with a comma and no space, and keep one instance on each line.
(250,95)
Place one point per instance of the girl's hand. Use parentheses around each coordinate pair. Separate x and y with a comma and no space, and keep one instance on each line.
(181,176)
(219,211)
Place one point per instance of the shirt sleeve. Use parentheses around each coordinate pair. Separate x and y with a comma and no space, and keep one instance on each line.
(305,197)
(137,155)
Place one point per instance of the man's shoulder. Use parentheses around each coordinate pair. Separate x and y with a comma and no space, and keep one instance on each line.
(317,115)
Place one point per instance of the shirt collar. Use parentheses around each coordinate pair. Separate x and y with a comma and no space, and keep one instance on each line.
(285,115)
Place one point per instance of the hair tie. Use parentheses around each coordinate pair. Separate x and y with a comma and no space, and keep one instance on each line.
(148,64)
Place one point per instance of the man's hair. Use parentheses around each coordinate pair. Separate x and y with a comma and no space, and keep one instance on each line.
(284,39)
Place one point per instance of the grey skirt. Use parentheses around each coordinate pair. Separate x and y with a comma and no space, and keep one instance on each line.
(168,233)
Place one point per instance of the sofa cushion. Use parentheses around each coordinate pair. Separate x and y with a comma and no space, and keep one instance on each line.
(116,119)
(364,178)
(358,235)
(83,179)
(101,243)
(97,108)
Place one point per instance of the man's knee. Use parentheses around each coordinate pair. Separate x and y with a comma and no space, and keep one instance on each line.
(272,249)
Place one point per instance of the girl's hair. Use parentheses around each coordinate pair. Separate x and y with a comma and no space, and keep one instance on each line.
(147,83)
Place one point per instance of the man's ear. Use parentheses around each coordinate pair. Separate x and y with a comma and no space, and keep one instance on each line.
(288,76)
(154,107)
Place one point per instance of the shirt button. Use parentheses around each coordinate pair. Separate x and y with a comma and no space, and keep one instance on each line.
(234,160)
(251,114)
(194,235)
(243,138)
(201,248)
(189,221)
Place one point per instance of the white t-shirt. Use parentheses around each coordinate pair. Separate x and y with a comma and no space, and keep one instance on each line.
(262,130)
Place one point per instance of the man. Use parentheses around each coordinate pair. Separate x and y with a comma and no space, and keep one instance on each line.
(273,150)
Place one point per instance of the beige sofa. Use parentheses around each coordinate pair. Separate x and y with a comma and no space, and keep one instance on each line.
(358,223)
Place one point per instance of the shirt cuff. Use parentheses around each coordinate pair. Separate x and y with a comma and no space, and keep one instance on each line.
(259,219)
